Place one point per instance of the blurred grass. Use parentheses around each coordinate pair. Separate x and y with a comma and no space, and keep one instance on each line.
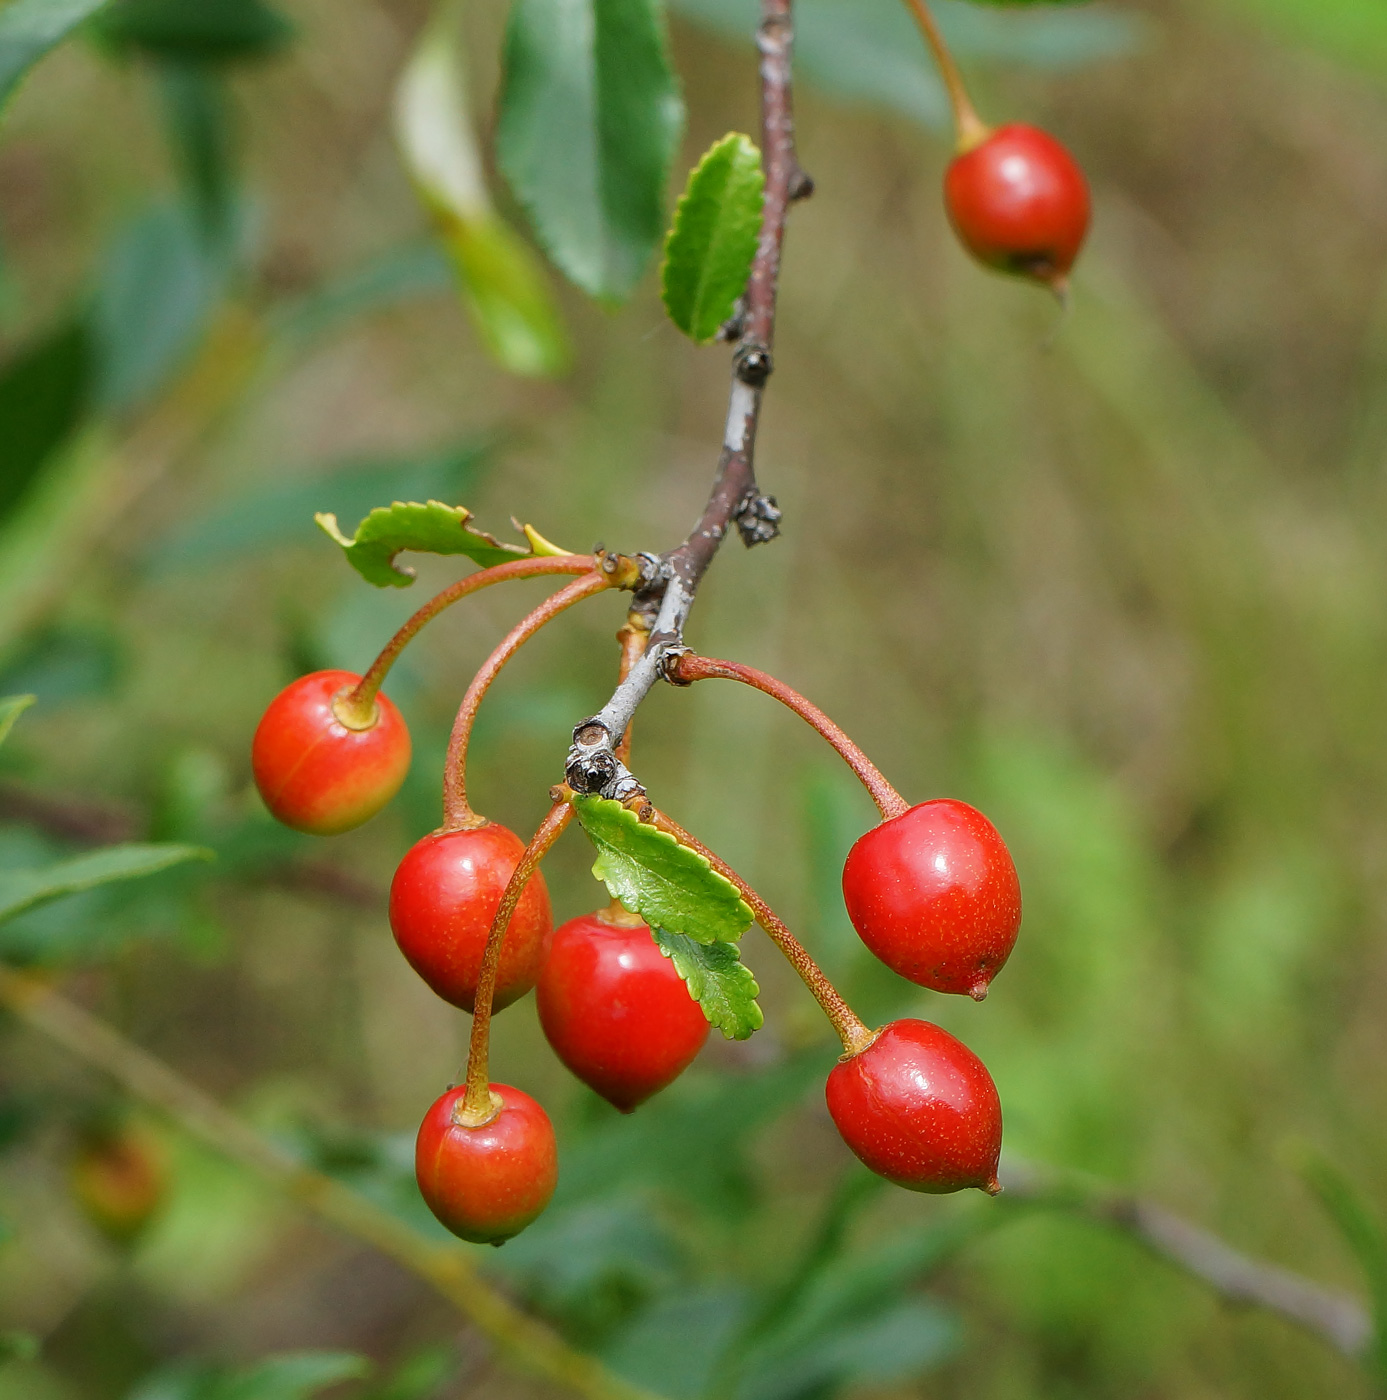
(1126,594)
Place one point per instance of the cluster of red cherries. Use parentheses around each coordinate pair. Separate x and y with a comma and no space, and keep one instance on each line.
(933,893)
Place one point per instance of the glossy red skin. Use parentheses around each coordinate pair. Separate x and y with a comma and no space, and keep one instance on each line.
(615,1010)
(314,773)
(486,1184)
(934,894)
(442,900)
(919,1108)
(1019,203)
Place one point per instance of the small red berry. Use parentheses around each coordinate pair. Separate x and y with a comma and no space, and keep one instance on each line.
(919,1108)
(934,894)
(319,774)
(442,900)
(615,1010)
(487,1183)
(1019,203)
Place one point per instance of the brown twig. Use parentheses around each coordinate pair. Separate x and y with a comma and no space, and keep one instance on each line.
(735,498)
(1236,1277)
(528,1344)
(457,815)
(855,1034)
(687,668)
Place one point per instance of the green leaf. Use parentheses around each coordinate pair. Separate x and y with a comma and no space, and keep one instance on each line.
(44,392)
(292,1376)
(26,889)
(11,707)
(502,283)
(712,241)
(29,29)
(432,528)
(717,981)
(198,124)
(17,1346)
(670,886)
(590,118)
(1363,1232)
(206,31)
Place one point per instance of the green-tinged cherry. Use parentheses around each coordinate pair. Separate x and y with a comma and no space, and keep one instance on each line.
(442,900)
(324,765)
(488,1182)
(919,1108)
(615,1010)
(934,894)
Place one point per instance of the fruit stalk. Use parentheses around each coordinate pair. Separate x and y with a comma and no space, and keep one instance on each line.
(357,710)
(457,815)
(687,667)
(478,1106)
(969,129)
(852,1031)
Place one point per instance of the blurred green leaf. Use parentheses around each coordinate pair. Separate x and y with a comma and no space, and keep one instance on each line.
(590,118)
(277,513)
(25,889)
(158,286)
(1362,1231)
(717,981)
(418,1375)
(432,528)
(674,1345)
(870,51)
(711,244)
(59,664)
(16,1346)
(503,284)
(1353,31)
(11,707)
(30,28)
(292,1376)
(670,886)
(208,31)
(198,122)
(44,391)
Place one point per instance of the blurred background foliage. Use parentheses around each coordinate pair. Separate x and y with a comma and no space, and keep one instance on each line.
(1124,592)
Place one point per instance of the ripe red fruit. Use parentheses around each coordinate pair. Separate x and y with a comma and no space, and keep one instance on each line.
(487,1183)
(442,900)
(615,1010)
(1019,203)
(934,894)
(919,1108)
(319,774)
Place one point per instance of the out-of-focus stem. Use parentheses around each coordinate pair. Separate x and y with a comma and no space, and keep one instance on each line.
(688,667)
(357,710)
(852,1031)
(970,130)
(478,1106)
(457,815)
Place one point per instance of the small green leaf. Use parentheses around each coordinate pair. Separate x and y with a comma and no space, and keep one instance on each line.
(670,886)
(206,31)
(712,241)
(717,981)
(589,121)
(11,707)
(432,529)
(26,889)
(503,284)
(30,28)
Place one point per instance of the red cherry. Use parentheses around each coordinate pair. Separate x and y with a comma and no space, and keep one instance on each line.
(615,1010)
(315,773)
(487,1183)
(1020,203)
(919,1108)
(442,901)
(934,894)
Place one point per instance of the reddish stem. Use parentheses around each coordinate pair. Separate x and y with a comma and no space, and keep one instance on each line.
(969,128)
(478,1105)
(357,710)
(852,1031)
(457,815)
(687,667)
